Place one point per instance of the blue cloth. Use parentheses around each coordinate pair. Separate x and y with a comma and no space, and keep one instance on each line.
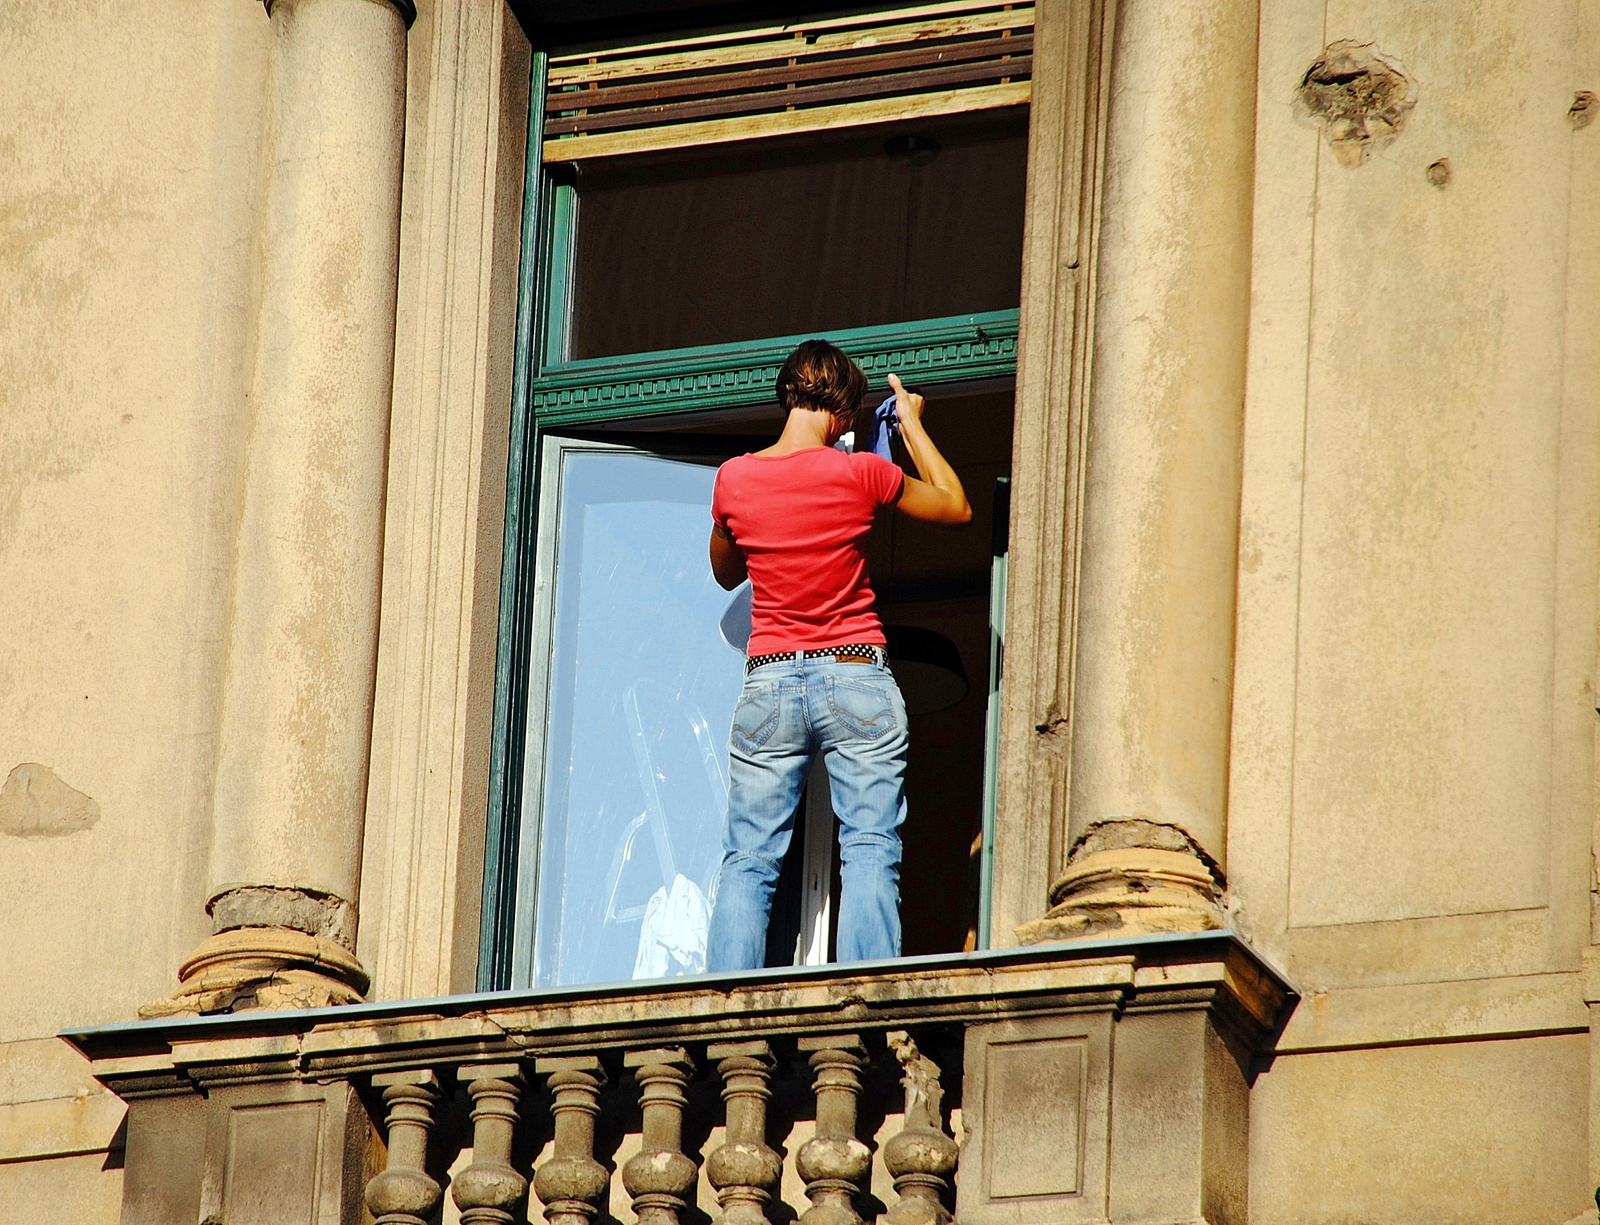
(885,422)
(790,710)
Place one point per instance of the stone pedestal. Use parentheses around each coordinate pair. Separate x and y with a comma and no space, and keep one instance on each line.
(1152,694)
(298,689)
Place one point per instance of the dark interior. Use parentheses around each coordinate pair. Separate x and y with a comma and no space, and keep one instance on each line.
(800,236)
(936,578)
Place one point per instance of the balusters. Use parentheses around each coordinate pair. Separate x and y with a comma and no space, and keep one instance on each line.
(404,1194)
(660,1176)
(834,1162)
(572,1183)
(488,1190)
(921,1156)
(745,1170)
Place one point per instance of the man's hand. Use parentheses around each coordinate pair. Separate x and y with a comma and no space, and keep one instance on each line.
(728,563)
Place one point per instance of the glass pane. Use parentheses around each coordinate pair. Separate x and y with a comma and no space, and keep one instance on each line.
(642,690)
(828,231)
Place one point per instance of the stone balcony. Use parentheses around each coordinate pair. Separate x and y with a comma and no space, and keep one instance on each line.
(1098,1081)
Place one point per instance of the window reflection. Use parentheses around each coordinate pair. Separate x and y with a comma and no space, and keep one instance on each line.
(642,689)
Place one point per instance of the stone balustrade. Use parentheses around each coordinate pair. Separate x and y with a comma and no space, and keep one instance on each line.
(840,1094)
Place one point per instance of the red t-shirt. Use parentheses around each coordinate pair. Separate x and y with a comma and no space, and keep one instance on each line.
(801,520)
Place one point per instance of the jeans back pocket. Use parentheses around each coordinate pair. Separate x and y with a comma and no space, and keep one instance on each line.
(756,716)
(865,706)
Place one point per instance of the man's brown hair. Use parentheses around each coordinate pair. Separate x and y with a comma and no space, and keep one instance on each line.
(821,375)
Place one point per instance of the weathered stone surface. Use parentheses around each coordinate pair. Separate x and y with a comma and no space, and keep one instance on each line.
(1036,1107)
(745,1169)
(35,803)
(1361,97)
(489,1189)
(317,914)
(263,967)
(660,1175)
(920,1157)
(1395,1132)
(404,1193)
(1131,877)
(834,1162)
(297,690)
(1152,690)
(571,1184)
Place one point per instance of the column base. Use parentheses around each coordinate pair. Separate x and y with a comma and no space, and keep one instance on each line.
(263,967)
(1131,878)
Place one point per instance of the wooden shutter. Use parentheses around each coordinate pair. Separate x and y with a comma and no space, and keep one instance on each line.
(936,59)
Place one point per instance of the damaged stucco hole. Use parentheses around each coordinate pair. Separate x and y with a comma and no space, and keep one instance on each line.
(34,803)
(1360,96)
(1581,113)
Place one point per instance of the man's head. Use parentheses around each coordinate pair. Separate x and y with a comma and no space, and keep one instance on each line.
(819,376)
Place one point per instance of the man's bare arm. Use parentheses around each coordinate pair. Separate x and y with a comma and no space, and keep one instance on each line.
(727,559)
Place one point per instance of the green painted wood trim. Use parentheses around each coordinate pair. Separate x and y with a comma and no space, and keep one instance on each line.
(957,348)
(562,202)
(495,931)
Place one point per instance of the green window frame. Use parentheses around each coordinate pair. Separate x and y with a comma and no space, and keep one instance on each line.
(551,392)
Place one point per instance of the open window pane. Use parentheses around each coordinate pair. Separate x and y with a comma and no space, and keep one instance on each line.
(808,235)
(641,687)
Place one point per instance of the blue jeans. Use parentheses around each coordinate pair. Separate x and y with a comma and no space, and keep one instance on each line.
(791,710)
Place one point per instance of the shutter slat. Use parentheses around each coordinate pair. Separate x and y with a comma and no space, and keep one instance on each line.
(786,123)
(751,80)
(741,85)
(787,30)
(923,81)
(804,42)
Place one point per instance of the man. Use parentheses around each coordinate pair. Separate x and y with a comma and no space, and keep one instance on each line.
(794,519)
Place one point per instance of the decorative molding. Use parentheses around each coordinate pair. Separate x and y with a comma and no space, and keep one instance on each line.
(1066,140)
(962,347)
(427,791)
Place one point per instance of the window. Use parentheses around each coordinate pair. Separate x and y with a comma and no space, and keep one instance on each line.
(700,205)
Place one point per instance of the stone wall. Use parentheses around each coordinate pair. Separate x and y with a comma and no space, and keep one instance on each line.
(1412,786)
(131,149)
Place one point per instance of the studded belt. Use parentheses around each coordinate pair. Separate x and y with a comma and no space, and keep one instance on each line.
(851,653)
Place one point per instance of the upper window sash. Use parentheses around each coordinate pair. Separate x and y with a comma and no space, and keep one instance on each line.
(940,59)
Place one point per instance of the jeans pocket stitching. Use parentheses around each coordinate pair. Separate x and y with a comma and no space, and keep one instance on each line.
(762,732)
(880,724)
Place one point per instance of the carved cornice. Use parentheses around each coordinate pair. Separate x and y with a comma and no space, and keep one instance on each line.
(961,348)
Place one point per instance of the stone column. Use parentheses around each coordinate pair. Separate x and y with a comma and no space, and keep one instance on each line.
(1152,694)
(298,689)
